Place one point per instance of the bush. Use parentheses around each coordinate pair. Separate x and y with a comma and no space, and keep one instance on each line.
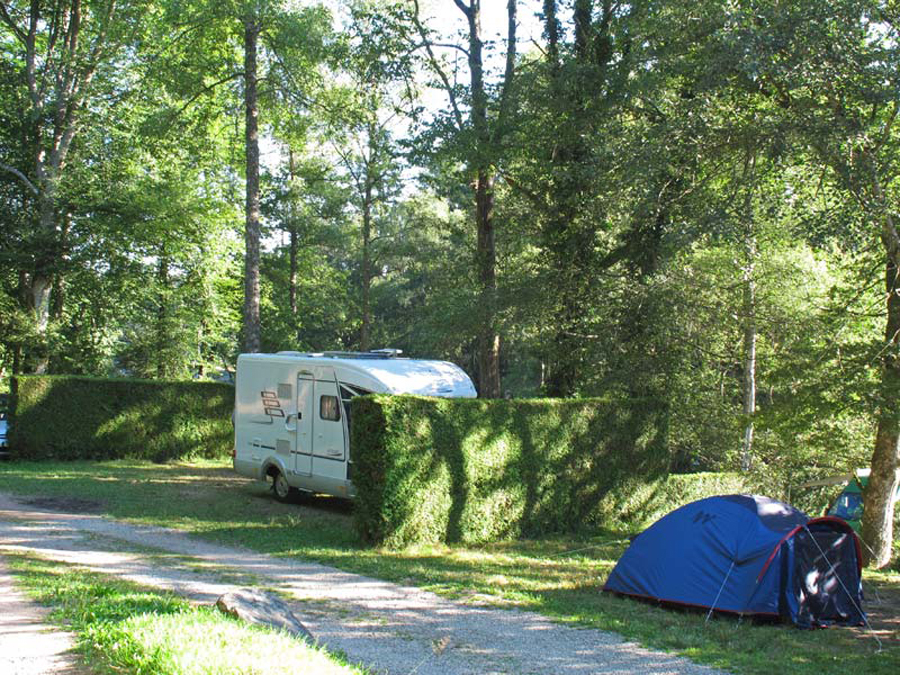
(62,417)
(464,470)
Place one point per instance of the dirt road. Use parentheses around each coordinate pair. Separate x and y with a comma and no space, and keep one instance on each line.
(28,644)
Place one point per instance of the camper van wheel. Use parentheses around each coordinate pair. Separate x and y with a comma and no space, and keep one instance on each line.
(283,492)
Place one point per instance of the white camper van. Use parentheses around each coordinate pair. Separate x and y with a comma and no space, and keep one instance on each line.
(292,411)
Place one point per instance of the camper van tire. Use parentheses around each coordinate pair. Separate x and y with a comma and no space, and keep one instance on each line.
(280,488)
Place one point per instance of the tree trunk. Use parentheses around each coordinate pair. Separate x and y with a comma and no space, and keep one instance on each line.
(162,311)
(878,505)
(18,352)
(59,280)
(582,17)
(488,339)
(292,282)
(39,298)
(877,529)
(749,348)
(486,259)
(563,372)
(551,35)
(292,230)
(365,330)
(252,337)
(40,282)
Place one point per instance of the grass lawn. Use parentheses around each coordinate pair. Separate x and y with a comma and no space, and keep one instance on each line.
(556,577)
(123,627)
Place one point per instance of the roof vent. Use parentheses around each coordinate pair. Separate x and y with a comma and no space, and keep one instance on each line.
(387,353)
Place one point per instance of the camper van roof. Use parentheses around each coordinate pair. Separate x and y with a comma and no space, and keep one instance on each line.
(371,354)
(398,375)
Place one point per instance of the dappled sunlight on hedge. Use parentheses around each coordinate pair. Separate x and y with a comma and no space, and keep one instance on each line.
(63,417)
(455,470)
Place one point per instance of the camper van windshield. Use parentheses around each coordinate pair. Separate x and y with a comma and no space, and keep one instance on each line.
(348,393)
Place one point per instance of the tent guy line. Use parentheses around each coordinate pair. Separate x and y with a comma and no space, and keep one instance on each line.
(847,591)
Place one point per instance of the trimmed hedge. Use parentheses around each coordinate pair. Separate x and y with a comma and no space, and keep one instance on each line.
(63,417)
(636,504)
(465,470)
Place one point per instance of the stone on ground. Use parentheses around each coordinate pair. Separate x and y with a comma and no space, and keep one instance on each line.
(263,608)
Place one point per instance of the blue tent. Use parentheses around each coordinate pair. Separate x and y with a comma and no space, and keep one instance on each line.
(748,555)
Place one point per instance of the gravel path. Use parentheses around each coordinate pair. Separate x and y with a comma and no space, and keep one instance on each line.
(28,646)
(387,627)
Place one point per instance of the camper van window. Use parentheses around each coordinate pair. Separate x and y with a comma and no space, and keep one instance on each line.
(329,408)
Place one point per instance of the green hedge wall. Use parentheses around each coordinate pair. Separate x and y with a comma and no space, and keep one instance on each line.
(62,417)
(637,503)
(464,470)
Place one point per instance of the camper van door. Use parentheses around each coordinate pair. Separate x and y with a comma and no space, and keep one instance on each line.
(328,431)
(303,436)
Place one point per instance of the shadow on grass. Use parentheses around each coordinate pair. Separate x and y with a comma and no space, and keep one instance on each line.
(84,598)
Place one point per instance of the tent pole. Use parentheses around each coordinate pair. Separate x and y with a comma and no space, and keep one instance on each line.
(721,588)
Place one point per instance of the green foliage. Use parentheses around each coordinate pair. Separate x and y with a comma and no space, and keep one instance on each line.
(423,298)
(58,417)
(814,360)
(643,174)
(322,303)
(462,470)
(307,204)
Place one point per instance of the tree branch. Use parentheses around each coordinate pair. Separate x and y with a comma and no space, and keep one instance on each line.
(444,45)
(205,90)
(432,59)
(463,7)
(886,133)
(21,176)
(7,19)
(295,90)
(31,56)
(508,72)
(536,199)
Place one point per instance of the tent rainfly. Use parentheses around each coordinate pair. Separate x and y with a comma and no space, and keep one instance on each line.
(747,555)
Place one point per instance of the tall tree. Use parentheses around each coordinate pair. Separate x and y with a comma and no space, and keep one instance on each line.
(585,89)
(308,202)
(287,44)
(252,25)
(749,281)
(372,167)
(484,134)
(63,45)
(832,71)
(361,118)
